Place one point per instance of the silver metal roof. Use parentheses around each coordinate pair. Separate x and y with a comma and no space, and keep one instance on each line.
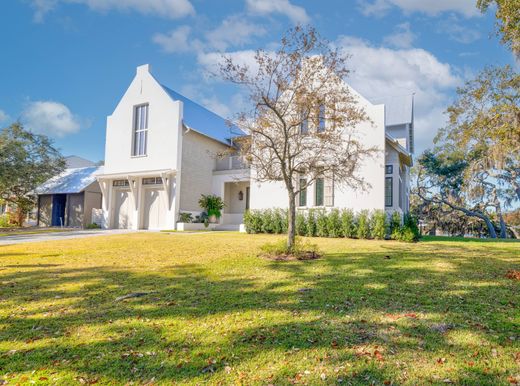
(73,180)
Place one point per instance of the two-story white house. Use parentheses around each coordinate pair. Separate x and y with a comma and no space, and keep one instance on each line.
(162,150)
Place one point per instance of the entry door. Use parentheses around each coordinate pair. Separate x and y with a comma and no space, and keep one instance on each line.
(121,209)
(59,201)
(154,209)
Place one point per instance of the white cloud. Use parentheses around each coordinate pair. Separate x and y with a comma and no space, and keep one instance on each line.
(381,73)
(430,7)
(177,40)
(3,116)
(234,31)
(171,9)
(295,13)
(458,32)
(210,60)
(403,37)
(51,118)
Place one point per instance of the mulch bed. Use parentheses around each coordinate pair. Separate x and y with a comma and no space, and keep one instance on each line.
(307,255)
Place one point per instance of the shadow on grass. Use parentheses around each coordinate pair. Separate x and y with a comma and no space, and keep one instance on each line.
(197,327)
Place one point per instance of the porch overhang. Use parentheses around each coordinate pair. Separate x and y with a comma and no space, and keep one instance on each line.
(143,173)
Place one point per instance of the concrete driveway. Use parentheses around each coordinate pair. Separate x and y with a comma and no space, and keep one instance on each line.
(30,238)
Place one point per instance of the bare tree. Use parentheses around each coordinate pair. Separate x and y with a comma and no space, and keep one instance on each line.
(303,118)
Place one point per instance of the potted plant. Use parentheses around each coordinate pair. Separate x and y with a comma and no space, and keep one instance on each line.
(213,206)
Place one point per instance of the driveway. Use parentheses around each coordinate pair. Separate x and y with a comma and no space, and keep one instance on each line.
(79,234)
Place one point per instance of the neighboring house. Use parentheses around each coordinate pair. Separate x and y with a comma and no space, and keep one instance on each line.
(68,198)
(162,150)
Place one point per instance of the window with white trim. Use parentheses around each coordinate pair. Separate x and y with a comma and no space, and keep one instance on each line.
(328,192)
(304,124)
(152,181)
(120,183)
(302,199)
(320,127)
(140,130)
(389,199)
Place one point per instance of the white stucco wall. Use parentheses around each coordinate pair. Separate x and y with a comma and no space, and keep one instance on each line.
(164,123)
(273,194)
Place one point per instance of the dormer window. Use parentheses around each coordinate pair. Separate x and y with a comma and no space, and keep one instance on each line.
(140,130)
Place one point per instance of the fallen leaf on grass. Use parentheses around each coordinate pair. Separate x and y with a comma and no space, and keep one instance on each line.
(513,274)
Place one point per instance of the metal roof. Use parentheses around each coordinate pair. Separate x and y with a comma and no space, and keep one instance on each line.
(398,109)
(74,161)
(73,180)
(204,121)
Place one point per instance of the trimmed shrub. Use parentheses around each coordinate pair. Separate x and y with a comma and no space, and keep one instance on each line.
(311,223)
(321,224)
(268,225)
(253,221)
(378,226)
(408,231)
(363,225)
(348,226)
(334,224)
(279,218)
(5,221)
(395,225)
(301,224)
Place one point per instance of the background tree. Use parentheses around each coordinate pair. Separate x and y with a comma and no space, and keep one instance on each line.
(26,161)
(508,20)
(303,116)
(441,181)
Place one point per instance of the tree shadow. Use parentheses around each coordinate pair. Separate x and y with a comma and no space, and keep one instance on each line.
(356,312)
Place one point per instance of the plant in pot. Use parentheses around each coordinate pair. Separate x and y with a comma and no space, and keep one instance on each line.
(213,206)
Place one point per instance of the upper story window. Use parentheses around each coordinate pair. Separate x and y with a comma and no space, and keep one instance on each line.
(140,130)
(389,169)
(321,119)
(304,125)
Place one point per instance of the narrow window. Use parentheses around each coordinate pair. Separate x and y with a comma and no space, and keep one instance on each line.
(140,130)
(304,124)
(389,169)
(303,193)
(389,199)
(329,192)
(319,192)
(321,119)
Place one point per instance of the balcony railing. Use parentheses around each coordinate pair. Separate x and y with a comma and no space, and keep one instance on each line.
(231,163)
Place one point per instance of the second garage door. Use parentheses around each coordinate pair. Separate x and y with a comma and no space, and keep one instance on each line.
(154,209)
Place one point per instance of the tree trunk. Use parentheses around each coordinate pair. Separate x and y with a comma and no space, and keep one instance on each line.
(503,227)
(291,222)
(468,212)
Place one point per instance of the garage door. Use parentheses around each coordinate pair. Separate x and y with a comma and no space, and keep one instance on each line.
(121,209)
(154,209)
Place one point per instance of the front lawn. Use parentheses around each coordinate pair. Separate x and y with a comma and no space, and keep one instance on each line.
(368,312)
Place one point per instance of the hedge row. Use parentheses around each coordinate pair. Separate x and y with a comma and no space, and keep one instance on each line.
(335,223)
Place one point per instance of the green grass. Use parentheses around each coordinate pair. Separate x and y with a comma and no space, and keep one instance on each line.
(219,314)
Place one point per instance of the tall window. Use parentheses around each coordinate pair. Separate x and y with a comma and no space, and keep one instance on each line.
(389,199)
(302,201)
(304,125)
(321,119)
(319,185)
(140,130)
(328,192)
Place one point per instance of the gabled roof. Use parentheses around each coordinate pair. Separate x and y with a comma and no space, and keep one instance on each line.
(73,161)
(204,121)
(400,149)
(73,180)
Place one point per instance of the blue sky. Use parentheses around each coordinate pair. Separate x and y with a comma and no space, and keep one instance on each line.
(66,63)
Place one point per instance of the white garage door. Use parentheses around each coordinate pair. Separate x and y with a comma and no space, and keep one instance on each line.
(121,209)
(154,209)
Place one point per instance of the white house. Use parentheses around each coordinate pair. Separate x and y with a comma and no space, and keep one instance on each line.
(161,155)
